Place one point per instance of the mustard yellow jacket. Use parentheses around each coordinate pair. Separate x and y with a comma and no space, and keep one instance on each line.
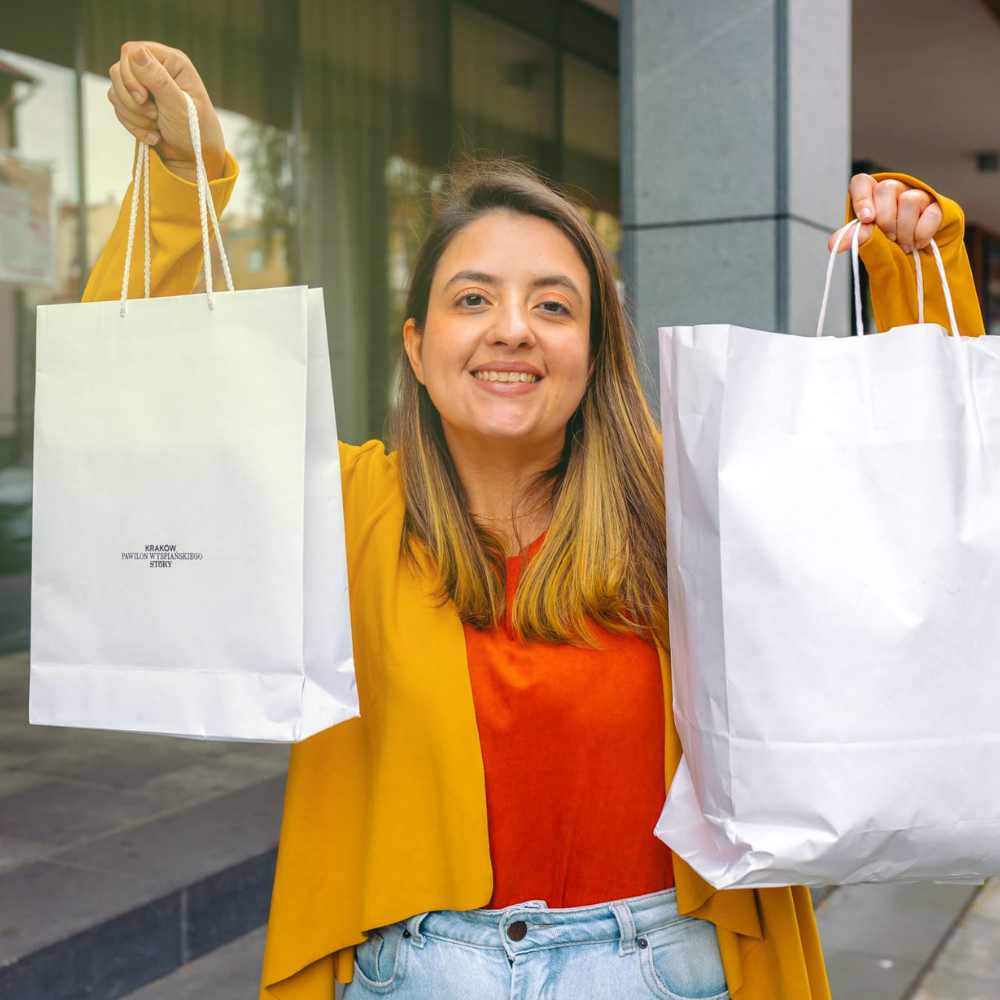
(385,815)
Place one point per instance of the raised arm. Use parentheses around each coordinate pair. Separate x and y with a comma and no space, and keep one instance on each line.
(900,212)
(147,92)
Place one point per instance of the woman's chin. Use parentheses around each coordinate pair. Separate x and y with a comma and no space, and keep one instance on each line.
(489,437)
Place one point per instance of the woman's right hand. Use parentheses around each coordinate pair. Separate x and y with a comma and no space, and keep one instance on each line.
(147,91)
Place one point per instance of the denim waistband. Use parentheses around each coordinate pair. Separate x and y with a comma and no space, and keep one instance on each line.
(533,926)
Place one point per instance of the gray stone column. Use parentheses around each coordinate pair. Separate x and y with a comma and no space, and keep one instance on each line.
(735,161)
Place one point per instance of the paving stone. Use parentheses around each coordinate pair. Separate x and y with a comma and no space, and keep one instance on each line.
(44,902)
(219,776)
(896,922)
(14,680)
(857,976)
(17,779)
(228,905)
(947,986)
(987,903)
(125,760)
(193,843)
(230,973)
(974,950)
(103,962)
(57,812)
(18,737)
(14,852)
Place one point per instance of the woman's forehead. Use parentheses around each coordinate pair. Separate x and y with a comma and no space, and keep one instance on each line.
(503,247)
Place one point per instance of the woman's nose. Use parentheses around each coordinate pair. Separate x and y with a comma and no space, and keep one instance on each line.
(513,328)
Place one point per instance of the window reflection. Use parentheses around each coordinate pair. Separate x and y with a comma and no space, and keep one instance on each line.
(590,146)
(38,175)
(590,133)
(503,90)
(390,92)
(258,225)
(108,152)
(410,190)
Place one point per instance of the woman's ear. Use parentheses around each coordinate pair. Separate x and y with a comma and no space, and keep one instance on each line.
(412,343)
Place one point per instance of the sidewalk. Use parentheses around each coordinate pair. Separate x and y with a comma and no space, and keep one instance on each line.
(968,967)
(124,856)
(881,941)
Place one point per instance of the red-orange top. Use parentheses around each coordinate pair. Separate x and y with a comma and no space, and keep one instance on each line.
(572,744)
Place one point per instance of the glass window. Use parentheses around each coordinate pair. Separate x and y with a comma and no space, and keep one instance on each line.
(410,190)
(590,139)
(503,91)
(108,153)
(376,128)
(258,228)
(39,263)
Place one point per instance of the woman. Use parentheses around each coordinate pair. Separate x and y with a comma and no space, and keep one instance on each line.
(484,829)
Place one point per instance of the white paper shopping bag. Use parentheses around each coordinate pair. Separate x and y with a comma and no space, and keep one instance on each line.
(833,511)
(189,568)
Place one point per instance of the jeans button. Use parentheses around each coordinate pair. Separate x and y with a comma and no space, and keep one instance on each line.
(517,930)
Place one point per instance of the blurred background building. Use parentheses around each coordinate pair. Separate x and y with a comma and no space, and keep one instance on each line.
(710,143)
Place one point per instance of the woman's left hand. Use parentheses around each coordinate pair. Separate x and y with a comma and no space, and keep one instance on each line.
(908,216)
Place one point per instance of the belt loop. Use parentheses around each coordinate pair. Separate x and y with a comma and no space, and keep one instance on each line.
(412,930)
(626,926)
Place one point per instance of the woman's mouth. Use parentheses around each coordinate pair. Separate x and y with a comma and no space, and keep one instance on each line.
(495,376)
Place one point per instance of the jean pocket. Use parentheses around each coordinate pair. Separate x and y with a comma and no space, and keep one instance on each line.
(380,962)
(681,961)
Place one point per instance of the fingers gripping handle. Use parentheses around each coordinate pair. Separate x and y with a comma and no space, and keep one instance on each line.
(206,208)
(855,226)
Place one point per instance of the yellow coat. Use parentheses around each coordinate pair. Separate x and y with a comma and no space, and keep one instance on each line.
(385,815)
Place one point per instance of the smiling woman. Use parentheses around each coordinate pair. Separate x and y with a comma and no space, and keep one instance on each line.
(485,829)
(512,282)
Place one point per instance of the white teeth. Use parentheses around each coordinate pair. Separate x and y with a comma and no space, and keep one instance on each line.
(495,376)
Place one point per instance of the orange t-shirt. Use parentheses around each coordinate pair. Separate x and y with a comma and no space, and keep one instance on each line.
(572,744)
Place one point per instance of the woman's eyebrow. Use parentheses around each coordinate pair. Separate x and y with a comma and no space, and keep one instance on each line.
(479,276)
(558,279)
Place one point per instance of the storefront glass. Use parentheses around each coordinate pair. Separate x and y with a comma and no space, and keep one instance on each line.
(39,263)
(344,116)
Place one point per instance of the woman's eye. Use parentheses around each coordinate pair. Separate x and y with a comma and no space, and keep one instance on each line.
(555,308)
(472,299)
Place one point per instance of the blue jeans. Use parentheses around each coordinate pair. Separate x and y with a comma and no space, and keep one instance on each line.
(631,949)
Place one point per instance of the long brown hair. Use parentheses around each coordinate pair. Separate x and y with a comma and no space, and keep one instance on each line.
(604,555)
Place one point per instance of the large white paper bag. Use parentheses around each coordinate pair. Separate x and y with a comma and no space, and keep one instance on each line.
(189,569)
(833,512)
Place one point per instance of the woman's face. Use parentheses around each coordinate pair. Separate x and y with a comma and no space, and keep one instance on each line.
(505,350)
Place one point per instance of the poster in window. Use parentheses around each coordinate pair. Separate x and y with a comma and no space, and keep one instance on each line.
(27,233)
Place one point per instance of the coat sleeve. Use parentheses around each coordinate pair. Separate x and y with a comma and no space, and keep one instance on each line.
(175,236)
(893,276)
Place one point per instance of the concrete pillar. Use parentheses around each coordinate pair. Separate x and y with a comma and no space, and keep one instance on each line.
(735,161)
